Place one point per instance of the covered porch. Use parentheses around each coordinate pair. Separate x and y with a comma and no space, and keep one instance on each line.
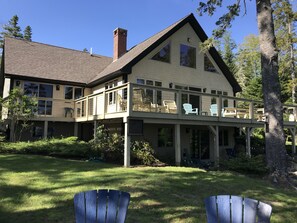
(138,105)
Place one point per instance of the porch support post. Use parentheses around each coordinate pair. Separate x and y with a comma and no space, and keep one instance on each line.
(293,141)
(215,132)
(45,128)
(293,133)
(95,128)
(76,129)
(249,132)
(177,145)
(11,132)
(127,144)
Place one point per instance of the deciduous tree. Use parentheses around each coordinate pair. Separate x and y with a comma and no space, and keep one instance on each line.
(18,108)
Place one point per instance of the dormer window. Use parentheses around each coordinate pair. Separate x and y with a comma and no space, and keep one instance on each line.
(163,55)
(208,65)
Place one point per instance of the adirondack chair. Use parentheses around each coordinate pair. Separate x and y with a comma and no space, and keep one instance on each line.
(102,206)
(170,106)
(214,110)
(235,209)
(189,109)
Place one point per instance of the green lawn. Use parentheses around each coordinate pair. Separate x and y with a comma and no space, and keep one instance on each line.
(40,189)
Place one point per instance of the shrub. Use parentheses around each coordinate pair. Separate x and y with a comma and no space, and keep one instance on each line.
(143,153)
(65,147)
(109,147)
(246,165)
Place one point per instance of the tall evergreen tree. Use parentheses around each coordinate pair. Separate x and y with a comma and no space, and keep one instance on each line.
(11,29)
(248,61)
(276,155)
(285,25)
(228,54)
(28,33)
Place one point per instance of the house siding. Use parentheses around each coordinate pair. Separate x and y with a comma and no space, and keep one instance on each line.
(174,73)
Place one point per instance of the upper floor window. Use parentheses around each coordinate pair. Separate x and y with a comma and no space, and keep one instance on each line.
(187,56)
(163,55)
(68,92)
(112,94)
(73,92)
(214,99)
(38,90)
(45,107)
(152,95)
(45,91)
(208,65)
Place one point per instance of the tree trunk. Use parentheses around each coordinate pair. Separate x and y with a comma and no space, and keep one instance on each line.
(276,154)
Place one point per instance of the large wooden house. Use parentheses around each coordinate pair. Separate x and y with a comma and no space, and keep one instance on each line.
(164,90)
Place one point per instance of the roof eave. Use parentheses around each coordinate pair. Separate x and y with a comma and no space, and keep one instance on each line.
(44,80)
(215,54)
(109,77)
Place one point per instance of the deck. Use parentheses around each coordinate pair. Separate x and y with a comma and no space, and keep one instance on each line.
(165,105)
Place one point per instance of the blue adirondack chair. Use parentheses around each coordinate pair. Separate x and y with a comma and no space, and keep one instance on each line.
(213,110)
(235,209)
(189,109)
(102,206)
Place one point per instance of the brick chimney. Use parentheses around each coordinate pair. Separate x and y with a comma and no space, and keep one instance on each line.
(119,43)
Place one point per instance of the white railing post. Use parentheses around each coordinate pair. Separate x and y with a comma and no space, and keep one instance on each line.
(220,106)
(127,144)
(129,99)
(251,110)
(87,107)
(104,104)
(178,103)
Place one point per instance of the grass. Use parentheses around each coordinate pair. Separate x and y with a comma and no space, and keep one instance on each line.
(40,189)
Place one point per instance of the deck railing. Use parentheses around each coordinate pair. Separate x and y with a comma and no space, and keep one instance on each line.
(130,99)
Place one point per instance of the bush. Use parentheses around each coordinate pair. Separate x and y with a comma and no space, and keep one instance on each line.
(246,165)
(143,153)
(65,147)
(109,147)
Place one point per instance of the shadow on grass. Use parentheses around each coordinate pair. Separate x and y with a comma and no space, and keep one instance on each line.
(41,189)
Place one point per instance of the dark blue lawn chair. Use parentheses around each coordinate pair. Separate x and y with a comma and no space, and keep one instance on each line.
(102,206)
(235,209)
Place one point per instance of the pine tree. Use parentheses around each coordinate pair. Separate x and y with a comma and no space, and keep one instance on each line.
(12,29)
(28,33)
(248,61)
(228,52)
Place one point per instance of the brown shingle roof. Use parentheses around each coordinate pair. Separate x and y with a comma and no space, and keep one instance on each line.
(42,61)
(55,63)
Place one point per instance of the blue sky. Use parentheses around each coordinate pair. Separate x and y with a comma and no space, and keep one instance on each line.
(79,24)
